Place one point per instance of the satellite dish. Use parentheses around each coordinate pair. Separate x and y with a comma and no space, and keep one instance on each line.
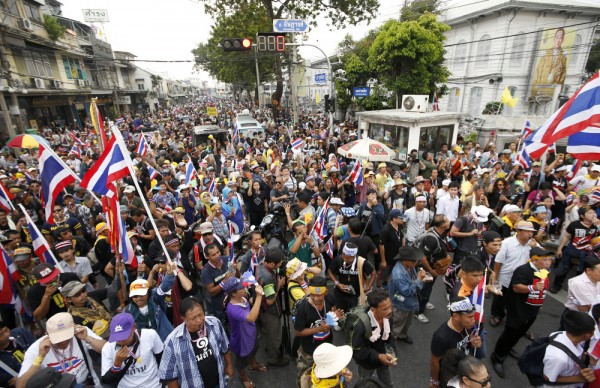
(408,103)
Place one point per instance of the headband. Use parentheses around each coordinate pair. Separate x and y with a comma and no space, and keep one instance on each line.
(350,251)
(461,306)
(317,290)
(537,257)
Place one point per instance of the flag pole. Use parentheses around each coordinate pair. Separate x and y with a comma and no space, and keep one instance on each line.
(129,162)
(32,225)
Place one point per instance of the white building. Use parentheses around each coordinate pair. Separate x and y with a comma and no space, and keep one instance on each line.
(536,48)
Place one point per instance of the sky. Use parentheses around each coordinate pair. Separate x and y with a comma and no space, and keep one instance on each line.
(169,30)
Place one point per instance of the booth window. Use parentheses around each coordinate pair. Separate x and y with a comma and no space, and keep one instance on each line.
(432,138)
(392,136)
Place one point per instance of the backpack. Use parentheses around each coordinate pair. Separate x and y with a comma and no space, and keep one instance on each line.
(531,362)
(352,317)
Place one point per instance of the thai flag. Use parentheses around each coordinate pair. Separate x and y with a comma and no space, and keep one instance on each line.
(110,167)
(323,168)
(477,299)
(41,248)
(9,294)
(579,113)
(523,158)
(320,230)
(527,131)
(595,197)
(142,147)
(190,172)
(212,187)
(76,140)
(297,144)
(552,148)
(230,243)
(329,247)
(491,161)
(574,169)
(55,176)
(5,199)
(585,145)
(75,150)
(153,173)
(119,121)
(356,175)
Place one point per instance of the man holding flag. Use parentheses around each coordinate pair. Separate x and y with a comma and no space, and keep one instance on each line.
(524,297)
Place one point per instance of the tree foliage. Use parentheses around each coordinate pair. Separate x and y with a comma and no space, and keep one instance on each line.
(593,63)
(416,8)
(236,68)
(53,28)
(409,56)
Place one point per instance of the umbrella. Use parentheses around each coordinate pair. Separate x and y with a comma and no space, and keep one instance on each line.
(367,149)
(26,141)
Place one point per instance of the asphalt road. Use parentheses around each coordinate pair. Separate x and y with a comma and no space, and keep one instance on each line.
(413,360)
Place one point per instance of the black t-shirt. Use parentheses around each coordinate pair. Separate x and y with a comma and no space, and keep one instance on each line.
(525,306)
(211,275)
(467,244)
(308,317)
(365,245)
(12,356)
(57,302)
(207,363)
(581,235)
(445,339)
(434,248)
(348,273)
(391,241)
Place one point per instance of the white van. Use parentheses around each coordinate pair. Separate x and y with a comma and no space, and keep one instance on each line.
(249,126)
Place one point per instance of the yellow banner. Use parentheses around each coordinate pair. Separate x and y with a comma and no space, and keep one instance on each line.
(211,111)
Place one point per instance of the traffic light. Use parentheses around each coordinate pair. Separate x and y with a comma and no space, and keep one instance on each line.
(236,44)
(271,41)
(329,104)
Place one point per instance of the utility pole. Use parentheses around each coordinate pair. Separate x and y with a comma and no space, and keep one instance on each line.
(257,76)
(293,74)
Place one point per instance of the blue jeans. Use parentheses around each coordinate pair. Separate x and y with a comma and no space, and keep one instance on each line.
(564,266)
(424,294)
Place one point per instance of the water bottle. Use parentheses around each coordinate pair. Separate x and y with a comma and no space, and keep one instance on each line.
(399,298)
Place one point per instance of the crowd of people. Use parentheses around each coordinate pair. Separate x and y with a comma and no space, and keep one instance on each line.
(317,253)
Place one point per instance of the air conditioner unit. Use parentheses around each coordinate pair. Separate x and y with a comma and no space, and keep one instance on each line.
(26,24)
(81,82)
(39,83)
(415,103)
(56,84)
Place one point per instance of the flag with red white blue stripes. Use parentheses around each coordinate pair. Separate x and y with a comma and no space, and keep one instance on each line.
(527,131)
(5,199)
(142,147)
(55,176)
(153,173)
(110,167)
(9,294)
(574,169)
(356,175)
(41,248)
(319,229)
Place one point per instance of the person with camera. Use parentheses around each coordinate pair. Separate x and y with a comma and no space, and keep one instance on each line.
(302,245)
(353,277)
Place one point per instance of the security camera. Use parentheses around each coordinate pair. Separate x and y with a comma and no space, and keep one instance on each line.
(340,72)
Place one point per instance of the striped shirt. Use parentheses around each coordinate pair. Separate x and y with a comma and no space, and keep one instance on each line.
(178,358)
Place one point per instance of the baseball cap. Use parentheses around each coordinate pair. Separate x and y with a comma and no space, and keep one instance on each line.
(205,227)
(232,284)
(123,209)
(129,189)
(139,287)
(71,288)
(60,327)
(395,213)
(45,273)
(446,182)
(21,253)
(595,168)
(120,327)
(538,164)
(336,201)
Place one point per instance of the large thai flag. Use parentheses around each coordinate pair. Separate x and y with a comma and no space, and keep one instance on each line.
(41,248)
(142,147)
(190,172)
(110,167)
(356,175)
(153,173)
(579,113)
(297,144)
(5,199)
(55,176)
(585,145)
(527,131)
(523,158)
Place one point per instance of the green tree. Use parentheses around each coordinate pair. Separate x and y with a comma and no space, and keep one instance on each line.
(415,8)
(340,13)
(53,28)
(236,68)
(409,56)
(593,63)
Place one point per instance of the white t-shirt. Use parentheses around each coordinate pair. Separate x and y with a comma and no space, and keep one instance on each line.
(558,363)
(415,222)
(73,361)
(140,374)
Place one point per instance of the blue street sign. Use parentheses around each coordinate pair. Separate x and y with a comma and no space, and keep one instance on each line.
(321,78)
(361,92)
(289,25)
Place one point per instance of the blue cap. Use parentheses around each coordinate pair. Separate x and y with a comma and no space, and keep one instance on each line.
(395,213)
(540,209)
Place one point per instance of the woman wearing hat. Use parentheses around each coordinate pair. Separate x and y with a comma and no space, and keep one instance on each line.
(330,370)
(242,318)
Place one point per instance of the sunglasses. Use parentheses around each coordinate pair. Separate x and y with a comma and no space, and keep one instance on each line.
(207,234)
(77,295)
(483,382)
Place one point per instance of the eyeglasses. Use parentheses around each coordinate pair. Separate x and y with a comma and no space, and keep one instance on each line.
(83,291)
(483,382)
(278,182)
(207,234)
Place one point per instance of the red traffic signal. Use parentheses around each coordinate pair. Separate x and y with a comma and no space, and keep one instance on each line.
(236,44)
(271,41)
